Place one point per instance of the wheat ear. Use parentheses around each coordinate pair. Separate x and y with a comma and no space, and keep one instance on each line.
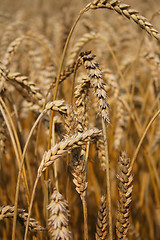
(82,96)
(27,89)
(79,45)
(65,146)
(95,76)
(127,11)
(79,171)
(121,123)
(79,162)
(125,190)
(102,221)
(58,217)
(8,212)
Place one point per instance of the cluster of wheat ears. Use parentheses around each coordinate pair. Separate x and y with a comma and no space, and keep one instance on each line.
(79,121)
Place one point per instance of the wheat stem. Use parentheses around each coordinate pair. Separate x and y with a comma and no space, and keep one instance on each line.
(19,154)
(60,68)
(59,74)
(30,207)
(108,197)
(84,203)
(143,136)
(20,172)
(84,198)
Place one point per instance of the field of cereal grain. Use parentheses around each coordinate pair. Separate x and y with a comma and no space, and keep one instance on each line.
(79,120)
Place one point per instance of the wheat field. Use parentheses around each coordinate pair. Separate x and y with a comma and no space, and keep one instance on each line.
(80,120)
